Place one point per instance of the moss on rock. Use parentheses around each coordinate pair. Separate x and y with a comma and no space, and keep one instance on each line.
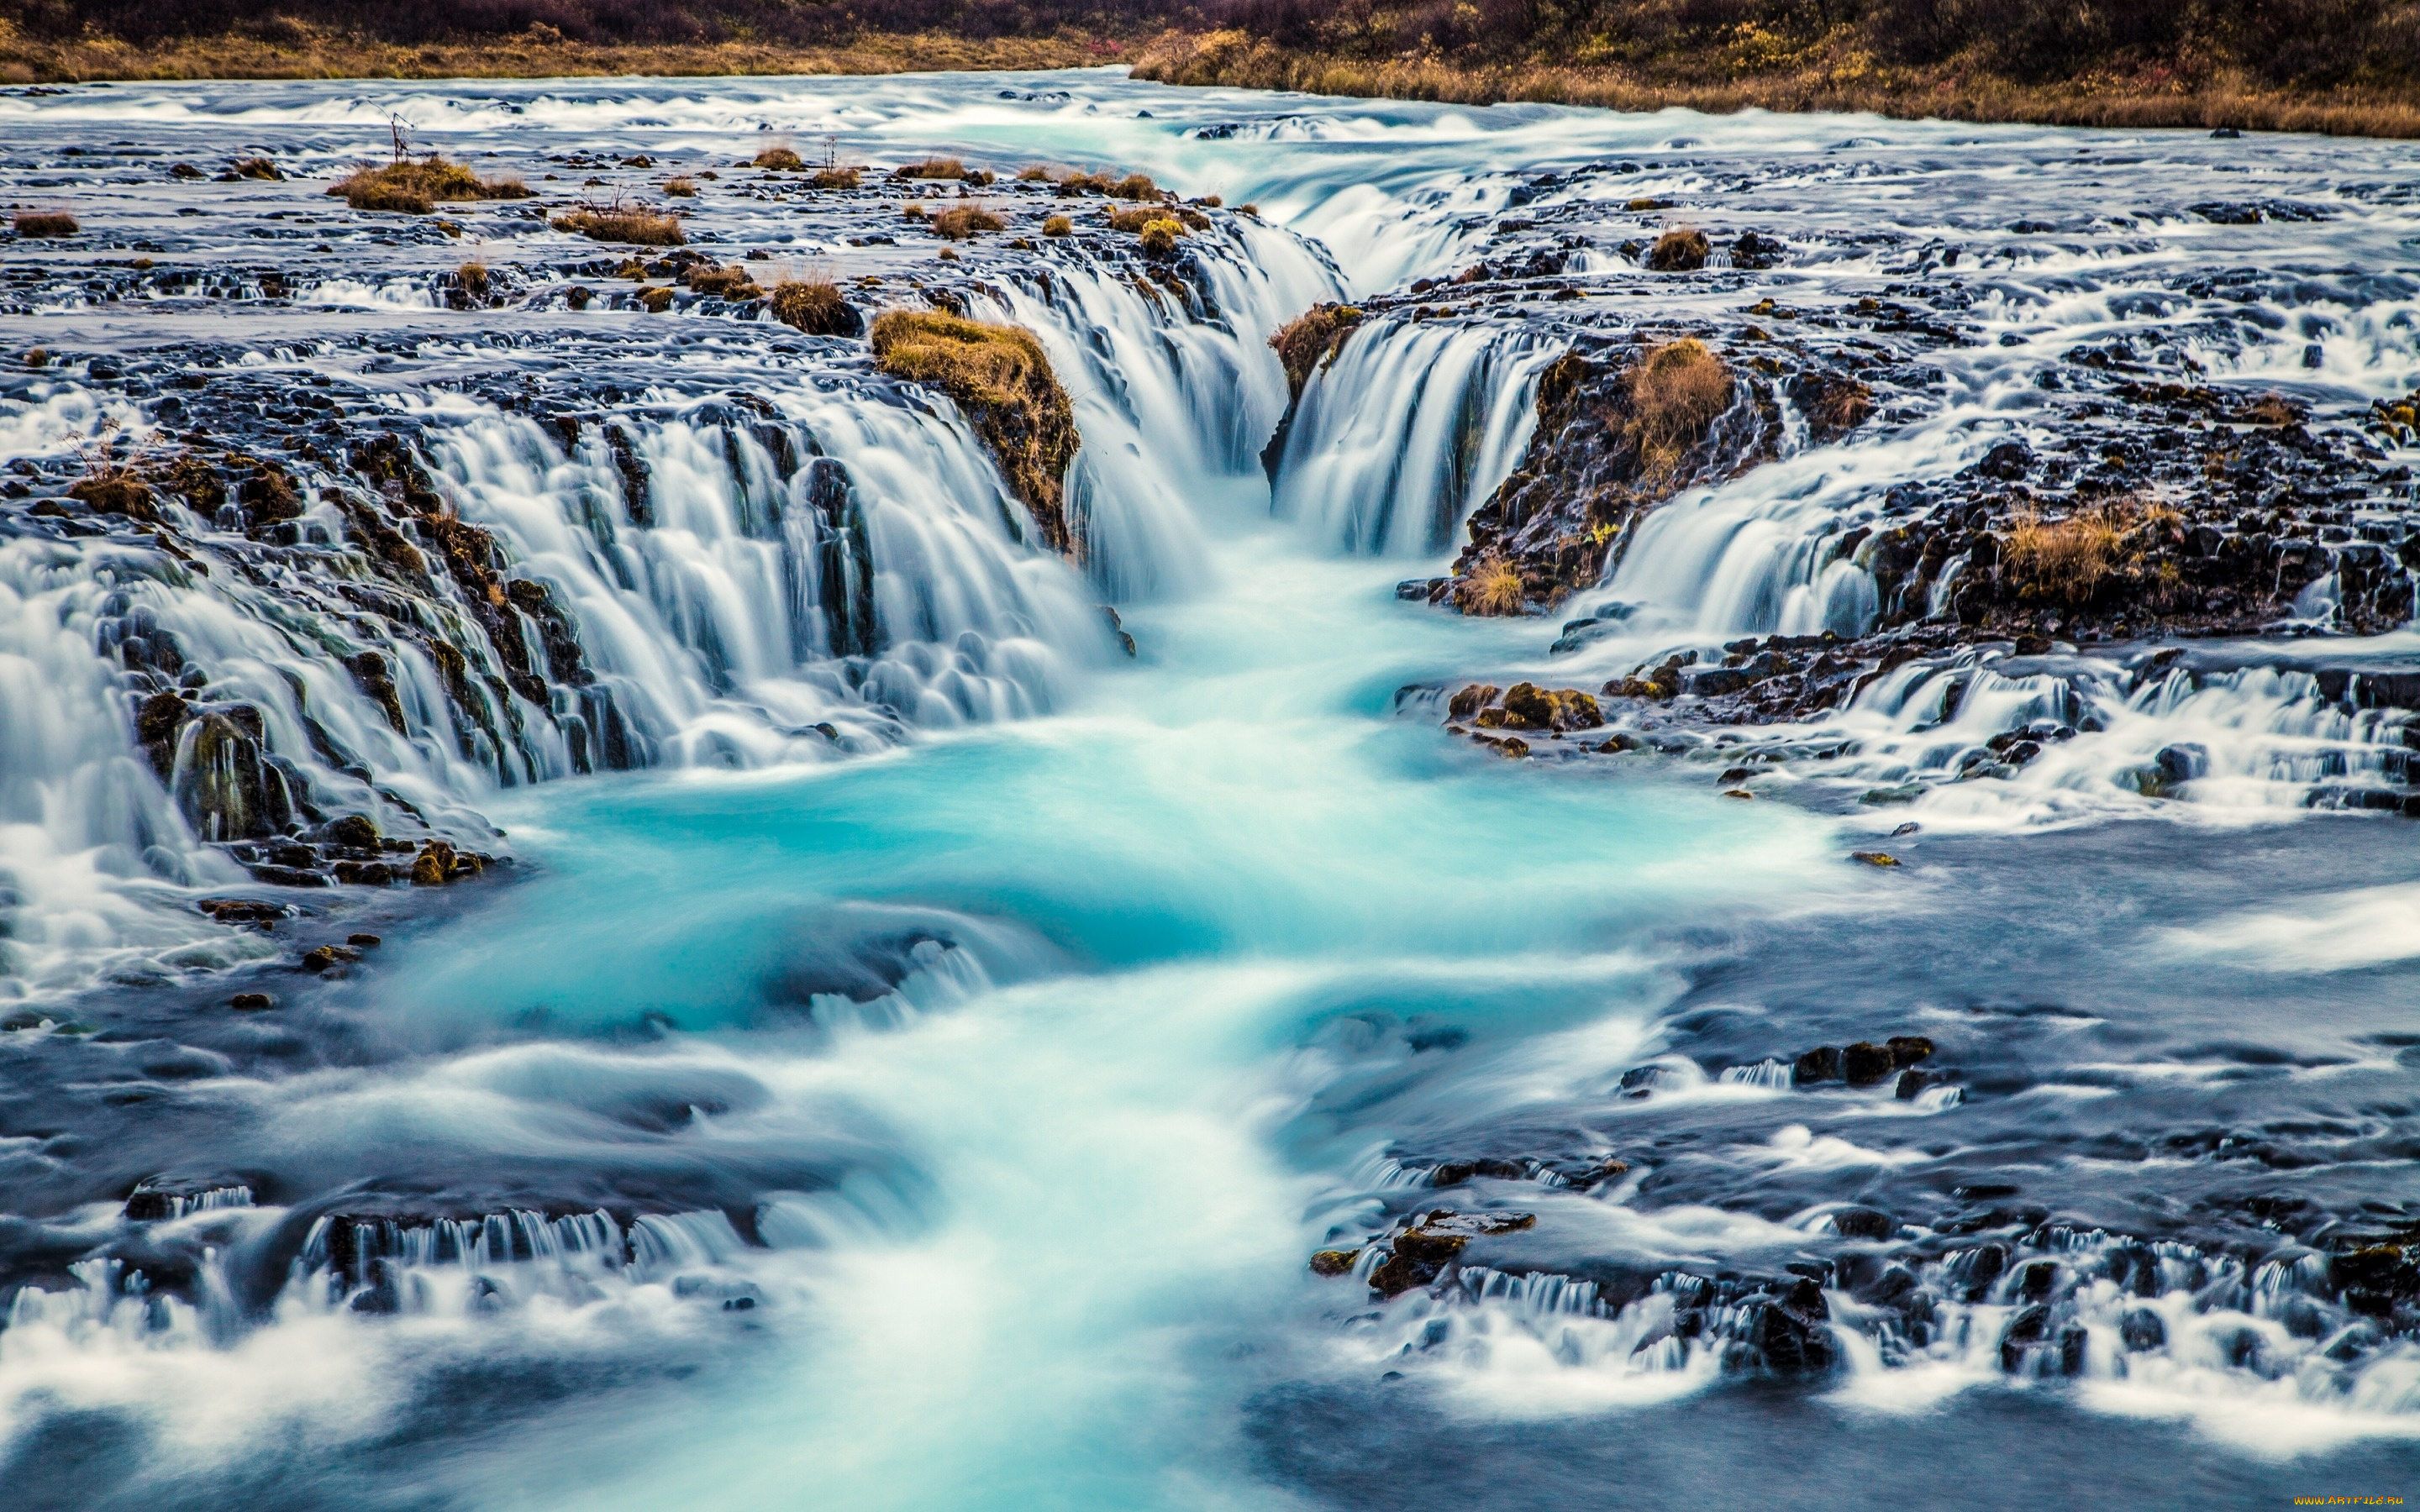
(1000,376)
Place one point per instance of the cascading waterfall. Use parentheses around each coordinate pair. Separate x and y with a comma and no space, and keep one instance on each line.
(1406,430)
(1041,1111)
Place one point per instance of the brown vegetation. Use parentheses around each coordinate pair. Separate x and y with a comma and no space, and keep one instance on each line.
(256,168)
(471,278)
(814,305)
(961,222)
(1058,225)
(1492,588)
(417,185)
(442,40)
(1312,338)
(1000,379)
(2346,67)
(779,159)
(681,188)
(1680,250)
(635,224)
(2066,561)
(1676,394)
(932,168)
(732,282)
(834,178)
(46,224)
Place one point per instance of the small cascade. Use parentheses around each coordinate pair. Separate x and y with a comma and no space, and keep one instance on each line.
(1175,391)
(1406,430)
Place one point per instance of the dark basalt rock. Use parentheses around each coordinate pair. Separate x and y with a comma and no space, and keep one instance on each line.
(1420,1254)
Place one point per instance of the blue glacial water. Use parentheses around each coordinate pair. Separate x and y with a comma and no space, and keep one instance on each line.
(944,1112)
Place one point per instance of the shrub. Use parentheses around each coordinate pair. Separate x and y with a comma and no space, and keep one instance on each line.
(814,305)
(1492,588)
(46,224)
(1310,338)
(835,179)
(1160,238)
(1680,250)
(617,222)
(1000,379)
(1058,225)
(1676,394)
(933,168)
(779,159)
(414,186)
(964,220)
(681,188)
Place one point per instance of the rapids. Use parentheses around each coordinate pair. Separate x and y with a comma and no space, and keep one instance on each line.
(918,1047)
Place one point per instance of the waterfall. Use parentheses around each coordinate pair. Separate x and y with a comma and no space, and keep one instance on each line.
(1406,430)
(477,597)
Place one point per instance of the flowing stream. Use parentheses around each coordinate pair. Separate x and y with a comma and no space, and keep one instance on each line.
(918,1069)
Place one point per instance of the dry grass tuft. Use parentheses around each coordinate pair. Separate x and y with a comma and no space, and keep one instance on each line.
(1312,338)
(814,305)
(417,185)
(913,211)
(681,188)
(2066,561)
(632,223)
(964,220)
(1676,394)
(1680,250)
(779,159)
(733,282)
(1033,173)
(834,178)
(1493,589)
(1000,376)
(932,168)
(46,224)
(471,278)
(1058,225)
(256,168)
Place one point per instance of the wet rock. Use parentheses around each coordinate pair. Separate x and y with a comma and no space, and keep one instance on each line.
(2142,1329)
(1334,1262)
(1863,1064)
(251,1002)
(1819,1065)
(1863,1222)
(1421,1253)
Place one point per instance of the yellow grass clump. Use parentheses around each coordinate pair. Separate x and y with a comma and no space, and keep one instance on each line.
(415,185)
(1002,379)
(634,224)
(1676,394)
(1493,589)
(964,220)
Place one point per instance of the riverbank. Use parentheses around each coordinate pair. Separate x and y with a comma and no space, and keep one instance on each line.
(1234,59)
(301,51)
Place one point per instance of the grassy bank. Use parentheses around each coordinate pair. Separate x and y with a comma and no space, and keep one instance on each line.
(2113,99)
(313,53)
(1821,83)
